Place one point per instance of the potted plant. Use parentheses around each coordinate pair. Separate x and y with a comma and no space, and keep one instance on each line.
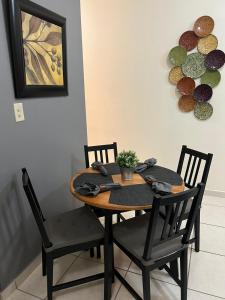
(127,161)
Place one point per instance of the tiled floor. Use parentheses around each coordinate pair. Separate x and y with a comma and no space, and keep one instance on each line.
(206,272)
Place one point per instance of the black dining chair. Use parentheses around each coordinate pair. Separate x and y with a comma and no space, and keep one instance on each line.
(194,167)
(66,233)
(101,153)
(152,241)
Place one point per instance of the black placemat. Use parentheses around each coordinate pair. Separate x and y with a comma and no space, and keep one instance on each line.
(112,168)
(163,174)
(91,178)
(132,195)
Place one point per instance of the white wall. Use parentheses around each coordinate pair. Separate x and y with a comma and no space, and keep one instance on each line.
(128,96)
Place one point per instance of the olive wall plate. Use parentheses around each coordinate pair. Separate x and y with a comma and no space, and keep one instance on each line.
(194,65)
(203,111)
(212,78)
(195,74)
(177,56)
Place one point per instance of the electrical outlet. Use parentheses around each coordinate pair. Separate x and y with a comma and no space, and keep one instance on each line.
(18,110)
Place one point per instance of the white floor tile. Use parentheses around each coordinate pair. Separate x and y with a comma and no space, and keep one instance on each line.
(120,259)
(215,201)
(36,284)
(193,295)
(159,290)
(158,274)
(212,239)
(19,295)
(213,215)
(95,290)
(129,214)
(207,273)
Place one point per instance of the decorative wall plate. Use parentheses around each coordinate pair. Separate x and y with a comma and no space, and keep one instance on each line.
(203,64)
(194,65)
(186,103)
(203,111)
(215,60)
(207,44)
(202,93)
(177,56)
(175,75)
(186,86)
(203,26)
(212,78)
(188,40)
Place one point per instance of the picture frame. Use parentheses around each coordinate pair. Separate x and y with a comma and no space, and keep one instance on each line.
(38,48)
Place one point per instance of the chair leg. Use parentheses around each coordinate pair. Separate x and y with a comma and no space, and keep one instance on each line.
(43,262)
(113,273)
(146,285)
(118,218)
(49,268)
(138,213)
(92,252)
(197,232)
(183,273)
(174,268)
(98,252)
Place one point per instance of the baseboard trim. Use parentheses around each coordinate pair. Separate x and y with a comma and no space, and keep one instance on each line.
(20,278)
(220,194)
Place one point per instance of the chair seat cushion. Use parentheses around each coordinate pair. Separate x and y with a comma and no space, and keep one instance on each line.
(131,235)
(74,228)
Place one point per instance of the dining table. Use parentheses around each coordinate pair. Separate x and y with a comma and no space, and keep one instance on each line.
(134,195)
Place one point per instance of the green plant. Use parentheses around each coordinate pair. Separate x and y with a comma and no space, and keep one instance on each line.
(127,159)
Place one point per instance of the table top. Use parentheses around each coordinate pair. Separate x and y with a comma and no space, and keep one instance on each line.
(102,199)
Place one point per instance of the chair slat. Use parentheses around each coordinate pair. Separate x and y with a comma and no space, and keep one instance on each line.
(165,226)
(187,169)
(106,156)
(174,219)
(196,172)
(96,156)
(192,170)
(181,217)
(100,153)
(101,156)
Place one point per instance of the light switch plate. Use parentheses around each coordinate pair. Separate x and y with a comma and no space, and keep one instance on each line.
(18,110)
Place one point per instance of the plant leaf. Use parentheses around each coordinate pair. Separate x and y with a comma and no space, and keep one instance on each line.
(45,67)
(34,24)
(36,66)
(31,76)
(54,38)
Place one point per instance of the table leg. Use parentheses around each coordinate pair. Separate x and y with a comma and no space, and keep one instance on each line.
(174,268)
(108,255)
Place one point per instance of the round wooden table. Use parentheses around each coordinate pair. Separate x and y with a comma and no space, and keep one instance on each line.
(102,201)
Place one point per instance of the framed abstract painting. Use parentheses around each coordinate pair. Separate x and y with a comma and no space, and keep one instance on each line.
(38,46)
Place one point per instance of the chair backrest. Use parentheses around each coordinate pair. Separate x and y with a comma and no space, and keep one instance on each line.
(35,207)
(100,153)
(191,173)
(174,205)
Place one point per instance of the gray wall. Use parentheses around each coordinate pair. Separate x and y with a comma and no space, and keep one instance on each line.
(49,144)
